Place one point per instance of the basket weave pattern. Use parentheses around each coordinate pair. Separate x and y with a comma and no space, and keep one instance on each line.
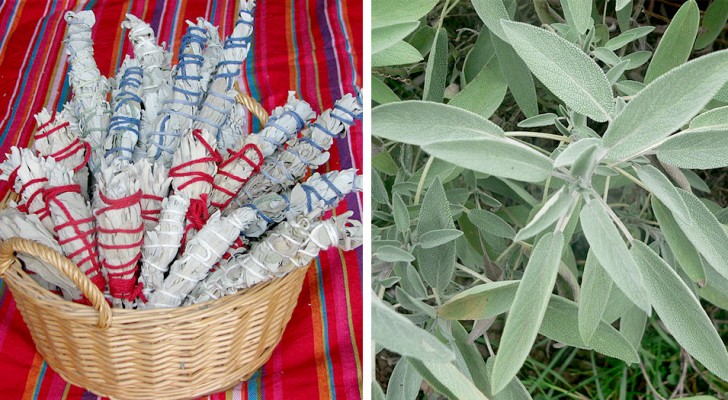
(182,352)
(176,353)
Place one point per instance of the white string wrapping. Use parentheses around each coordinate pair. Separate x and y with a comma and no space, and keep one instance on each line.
(89,103)
(201,253)
(162,244)
(307,152)
(214,112)
(288,246)
(245,159)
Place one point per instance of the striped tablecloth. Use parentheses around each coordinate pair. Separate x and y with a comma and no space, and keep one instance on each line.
(310,46)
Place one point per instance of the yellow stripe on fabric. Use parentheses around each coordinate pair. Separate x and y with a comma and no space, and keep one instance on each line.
(350,320)
(318,347)
(65,391)
(313,56)
(292,77)
(32,378)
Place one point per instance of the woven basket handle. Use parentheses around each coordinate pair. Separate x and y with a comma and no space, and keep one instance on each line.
(9,247)
(252,105)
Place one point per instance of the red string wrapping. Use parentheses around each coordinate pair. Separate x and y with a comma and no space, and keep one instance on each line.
(83,230)
(197,216)
(225,172)
(40,208)
(197,213)
(122,272)
(151,214)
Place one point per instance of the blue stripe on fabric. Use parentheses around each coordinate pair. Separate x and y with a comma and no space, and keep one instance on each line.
(325,323)
(39,39)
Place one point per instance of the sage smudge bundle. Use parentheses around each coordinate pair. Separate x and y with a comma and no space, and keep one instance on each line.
(167,157)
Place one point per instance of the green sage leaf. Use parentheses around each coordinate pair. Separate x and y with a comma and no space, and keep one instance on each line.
(381,93)
(393,254)
(436,71)
(405,382)
(389,35)
(518,76)
(528,309)
(480,302)
(696,149)
(677,41)
(681,311)
(560,323)
(714,20)
(682,249)
(448,380)
(665,105)
(595,287)
(400,213)
(578,13)
(564,69)
(484,94)
(612,253)
(661,187)
(555,207)
(421,123)
(439,236)
(390,12)
(500,157)
(436,264)
(490,223)
(399,53)
(705,233)
(398,334)
(625,38)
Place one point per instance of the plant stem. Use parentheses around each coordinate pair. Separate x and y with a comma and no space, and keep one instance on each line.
(445,10)
(630,177)
(472,273)
(541,135)
(421,184)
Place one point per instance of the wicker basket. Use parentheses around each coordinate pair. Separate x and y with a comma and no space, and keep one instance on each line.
(182,352)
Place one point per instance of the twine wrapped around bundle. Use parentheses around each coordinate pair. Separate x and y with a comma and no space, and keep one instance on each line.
(89,104)
(155,61)
(74,224)
(195,165)
(245,159)
(120,231)
(125,125)
(307,200)
(175,119)
(215,109)
(202,252)
(14,223)
(155,186)
(211,55)
(26,173)
(305,153)
(289,245)
(55,137)
(162,244)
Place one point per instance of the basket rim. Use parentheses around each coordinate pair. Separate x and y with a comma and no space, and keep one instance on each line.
(15,275)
